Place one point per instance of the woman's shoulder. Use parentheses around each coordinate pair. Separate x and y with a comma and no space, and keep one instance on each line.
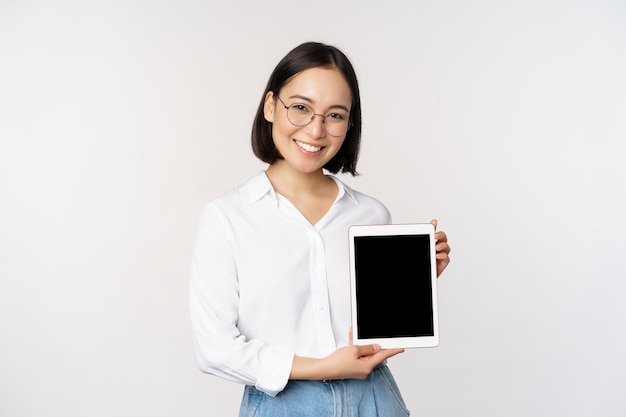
(235,206)
(250,190)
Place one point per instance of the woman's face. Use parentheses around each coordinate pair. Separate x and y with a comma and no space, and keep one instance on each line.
(325,91)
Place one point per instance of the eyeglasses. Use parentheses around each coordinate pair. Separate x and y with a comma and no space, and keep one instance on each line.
(299,114)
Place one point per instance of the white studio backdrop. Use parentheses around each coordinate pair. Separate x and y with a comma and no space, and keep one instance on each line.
(504,119)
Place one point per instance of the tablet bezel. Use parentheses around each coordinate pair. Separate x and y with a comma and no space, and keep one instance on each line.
(395,230)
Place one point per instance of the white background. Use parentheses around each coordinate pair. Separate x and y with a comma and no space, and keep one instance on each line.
(506,119)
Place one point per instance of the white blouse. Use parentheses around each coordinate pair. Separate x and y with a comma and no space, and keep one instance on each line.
(267,285)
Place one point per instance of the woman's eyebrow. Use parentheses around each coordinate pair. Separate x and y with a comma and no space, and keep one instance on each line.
(307,99)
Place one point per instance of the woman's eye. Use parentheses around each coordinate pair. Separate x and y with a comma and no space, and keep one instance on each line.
(301,108)
(337,116)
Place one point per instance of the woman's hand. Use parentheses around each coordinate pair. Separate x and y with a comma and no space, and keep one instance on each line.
(349,362)
(356,361)
(442,248)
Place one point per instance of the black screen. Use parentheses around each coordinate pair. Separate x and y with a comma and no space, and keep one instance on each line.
(393,286)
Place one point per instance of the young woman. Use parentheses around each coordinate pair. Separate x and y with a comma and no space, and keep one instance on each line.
(269,290)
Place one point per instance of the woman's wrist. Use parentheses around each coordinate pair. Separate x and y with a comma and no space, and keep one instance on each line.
(307,368)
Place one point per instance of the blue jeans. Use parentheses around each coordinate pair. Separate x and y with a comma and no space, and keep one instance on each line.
(375,396)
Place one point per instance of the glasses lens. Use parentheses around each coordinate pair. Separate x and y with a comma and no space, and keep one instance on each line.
(300,114)
(336,124)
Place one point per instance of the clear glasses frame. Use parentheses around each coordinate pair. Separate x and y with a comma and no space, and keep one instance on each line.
(305,116)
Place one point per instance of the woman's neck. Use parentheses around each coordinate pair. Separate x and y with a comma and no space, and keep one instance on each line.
(312,193)
(291,182)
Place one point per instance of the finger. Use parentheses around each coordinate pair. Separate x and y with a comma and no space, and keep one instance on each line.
(367,350)
(442,263)
(350,336)
(442,256)
(442,247)
(388,353)
(434,223)
(441,237)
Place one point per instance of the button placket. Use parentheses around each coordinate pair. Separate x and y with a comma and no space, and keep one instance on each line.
(319,292)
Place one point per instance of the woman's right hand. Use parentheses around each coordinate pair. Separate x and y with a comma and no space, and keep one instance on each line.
(348,362)
(356,361)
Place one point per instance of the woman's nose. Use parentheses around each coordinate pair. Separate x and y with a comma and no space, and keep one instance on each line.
(317,127)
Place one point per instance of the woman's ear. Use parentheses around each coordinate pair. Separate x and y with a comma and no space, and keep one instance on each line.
(269,107)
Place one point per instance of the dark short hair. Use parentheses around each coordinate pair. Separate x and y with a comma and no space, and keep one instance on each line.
(305,56)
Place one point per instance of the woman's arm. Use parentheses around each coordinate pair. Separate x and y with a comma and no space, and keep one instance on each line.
(220,348)
(347,362)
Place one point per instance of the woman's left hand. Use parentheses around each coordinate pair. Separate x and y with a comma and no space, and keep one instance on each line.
(442,248)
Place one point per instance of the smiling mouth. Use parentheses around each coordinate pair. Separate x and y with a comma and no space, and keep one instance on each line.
(307,147)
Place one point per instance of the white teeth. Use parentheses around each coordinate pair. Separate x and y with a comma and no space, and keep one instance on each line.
(308,147)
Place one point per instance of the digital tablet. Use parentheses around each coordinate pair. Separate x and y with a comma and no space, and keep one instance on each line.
(394,285)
